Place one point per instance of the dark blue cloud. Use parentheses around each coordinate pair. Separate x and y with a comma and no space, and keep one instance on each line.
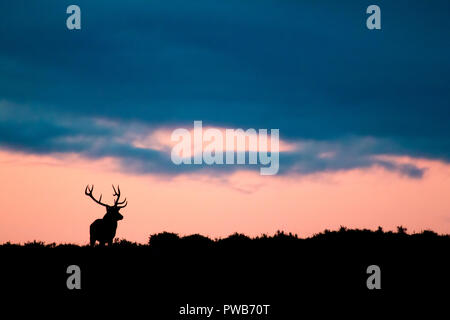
(311,69)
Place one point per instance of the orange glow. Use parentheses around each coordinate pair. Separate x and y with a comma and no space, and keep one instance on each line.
(42,198)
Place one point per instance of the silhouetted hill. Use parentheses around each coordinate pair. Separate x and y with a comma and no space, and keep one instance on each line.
(282,270)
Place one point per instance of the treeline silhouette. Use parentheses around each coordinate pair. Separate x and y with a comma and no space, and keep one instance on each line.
(171,240)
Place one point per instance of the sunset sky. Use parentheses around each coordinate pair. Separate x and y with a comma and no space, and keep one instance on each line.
(363,116)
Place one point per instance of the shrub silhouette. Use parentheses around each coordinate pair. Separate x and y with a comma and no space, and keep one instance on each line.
(401,230)
(164,239)
(123,243)
(197,240)
(35,244)
(169,240)
(236,237)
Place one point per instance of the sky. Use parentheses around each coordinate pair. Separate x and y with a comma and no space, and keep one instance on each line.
(362,115)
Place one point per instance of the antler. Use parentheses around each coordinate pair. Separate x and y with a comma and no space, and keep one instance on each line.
(88,192)
(117,194)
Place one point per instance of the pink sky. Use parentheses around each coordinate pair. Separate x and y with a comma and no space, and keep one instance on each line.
(43,199)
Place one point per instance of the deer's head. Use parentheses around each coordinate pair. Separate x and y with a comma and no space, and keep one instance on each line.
(112,212)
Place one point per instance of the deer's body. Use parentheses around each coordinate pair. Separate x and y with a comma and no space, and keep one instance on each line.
(104,230)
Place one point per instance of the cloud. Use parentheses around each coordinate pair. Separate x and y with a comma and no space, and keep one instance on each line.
(124,141)
(312,70)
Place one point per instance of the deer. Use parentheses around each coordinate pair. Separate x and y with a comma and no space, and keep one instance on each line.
(104,230)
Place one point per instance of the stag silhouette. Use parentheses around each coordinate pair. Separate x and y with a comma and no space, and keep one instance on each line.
(104,230)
